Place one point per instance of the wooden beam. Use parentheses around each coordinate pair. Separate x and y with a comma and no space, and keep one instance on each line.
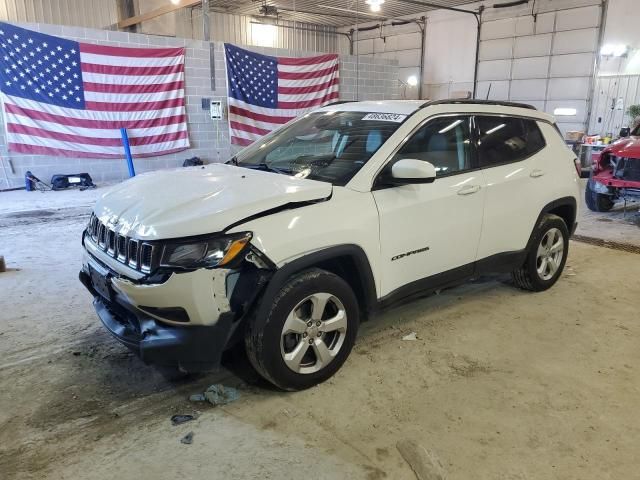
(170,7)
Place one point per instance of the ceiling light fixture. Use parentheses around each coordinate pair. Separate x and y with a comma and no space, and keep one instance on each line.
(451,126)
(374,4)
(495,129)
(565,112)
(614,50)
(364,14)
(264,34)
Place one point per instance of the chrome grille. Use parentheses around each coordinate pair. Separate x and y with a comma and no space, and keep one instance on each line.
(129,251)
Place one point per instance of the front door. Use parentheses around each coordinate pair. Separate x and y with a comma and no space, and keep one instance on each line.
(434,228)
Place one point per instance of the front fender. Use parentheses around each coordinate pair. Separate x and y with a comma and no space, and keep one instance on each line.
(345,225)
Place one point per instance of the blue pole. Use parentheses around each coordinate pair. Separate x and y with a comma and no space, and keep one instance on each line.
(127,151)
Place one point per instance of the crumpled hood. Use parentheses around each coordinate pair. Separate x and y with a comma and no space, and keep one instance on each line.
(625,147)
(199,200)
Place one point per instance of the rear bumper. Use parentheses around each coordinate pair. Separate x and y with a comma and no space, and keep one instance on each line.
(192,348)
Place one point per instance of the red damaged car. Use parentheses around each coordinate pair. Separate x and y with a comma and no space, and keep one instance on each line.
(616,174)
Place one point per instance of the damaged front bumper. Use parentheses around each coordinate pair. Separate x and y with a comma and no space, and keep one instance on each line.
(186,320)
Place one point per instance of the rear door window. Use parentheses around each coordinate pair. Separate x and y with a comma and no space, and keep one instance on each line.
(507,139)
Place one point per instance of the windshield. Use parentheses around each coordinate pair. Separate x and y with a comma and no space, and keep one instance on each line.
(326,146)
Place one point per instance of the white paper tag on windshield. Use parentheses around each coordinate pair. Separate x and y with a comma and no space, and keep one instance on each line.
(385,117)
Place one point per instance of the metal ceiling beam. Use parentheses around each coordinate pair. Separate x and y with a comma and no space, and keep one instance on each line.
(322,14)
(435,6)
(346,10)
(306,29)
(170,7)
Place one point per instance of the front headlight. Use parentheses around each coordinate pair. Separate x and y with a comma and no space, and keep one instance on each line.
(206,253)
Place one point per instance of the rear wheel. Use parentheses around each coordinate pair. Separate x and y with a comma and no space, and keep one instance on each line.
(597,202)
(546,257)
(307,333)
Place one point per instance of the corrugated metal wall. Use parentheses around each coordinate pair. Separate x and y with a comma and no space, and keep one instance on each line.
(401,43)
(82,13)
(188,23)
(612,97)
(240,29)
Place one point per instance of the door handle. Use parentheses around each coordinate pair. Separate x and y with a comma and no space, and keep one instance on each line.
(469,189)
(535,173)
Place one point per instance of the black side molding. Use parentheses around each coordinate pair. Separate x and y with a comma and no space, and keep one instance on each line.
(501,262)
(569,201)
(427,285)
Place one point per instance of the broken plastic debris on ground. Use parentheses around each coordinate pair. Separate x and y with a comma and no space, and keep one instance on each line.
(410,337)
(187,439)
(180,419)
(216,395)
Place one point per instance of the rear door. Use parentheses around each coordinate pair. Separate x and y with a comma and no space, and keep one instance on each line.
(510,153)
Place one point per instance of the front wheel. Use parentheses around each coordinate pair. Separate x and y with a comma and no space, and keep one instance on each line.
(546,257)
(308,332)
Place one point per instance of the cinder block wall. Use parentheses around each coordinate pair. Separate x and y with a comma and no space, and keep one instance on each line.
(373,79)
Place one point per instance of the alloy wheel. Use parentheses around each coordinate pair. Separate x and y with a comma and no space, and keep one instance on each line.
(313,333)
(550,253)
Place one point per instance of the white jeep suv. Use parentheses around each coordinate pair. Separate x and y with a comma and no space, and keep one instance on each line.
(305,233)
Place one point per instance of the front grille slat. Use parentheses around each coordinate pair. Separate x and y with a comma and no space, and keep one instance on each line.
(131,252)
(111,243)
(146,256)
(102,236)
(94,228)
(121,248)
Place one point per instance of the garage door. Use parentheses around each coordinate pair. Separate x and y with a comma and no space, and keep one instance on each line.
(547,62)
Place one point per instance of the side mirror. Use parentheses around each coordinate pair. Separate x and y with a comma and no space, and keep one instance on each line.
(409,171)
(625,132)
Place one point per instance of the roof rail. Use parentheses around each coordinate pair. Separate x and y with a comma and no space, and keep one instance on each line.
(339,102)
(461,101)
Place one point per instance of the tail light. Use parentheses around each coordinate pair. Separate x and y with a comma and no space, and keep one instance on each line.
(578,165)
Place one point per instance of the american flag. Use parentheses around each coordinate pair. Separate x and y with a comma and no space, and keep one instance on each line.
(266,92)
(69,99)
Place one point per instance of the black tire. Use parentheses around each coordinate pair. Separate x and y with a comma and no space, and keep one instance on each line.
(264,340)
(527,277)
(597,202)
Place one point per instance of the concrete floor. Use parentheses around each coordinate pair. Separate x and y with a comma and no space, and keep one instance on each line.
(501,384)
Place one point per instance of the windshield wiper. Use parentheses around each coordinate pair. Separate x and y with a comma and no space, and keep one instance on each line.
(266,168)
(232,161)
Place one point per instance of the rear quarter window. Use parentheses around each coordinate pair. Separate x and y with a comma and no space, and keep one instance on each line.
(507,139)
